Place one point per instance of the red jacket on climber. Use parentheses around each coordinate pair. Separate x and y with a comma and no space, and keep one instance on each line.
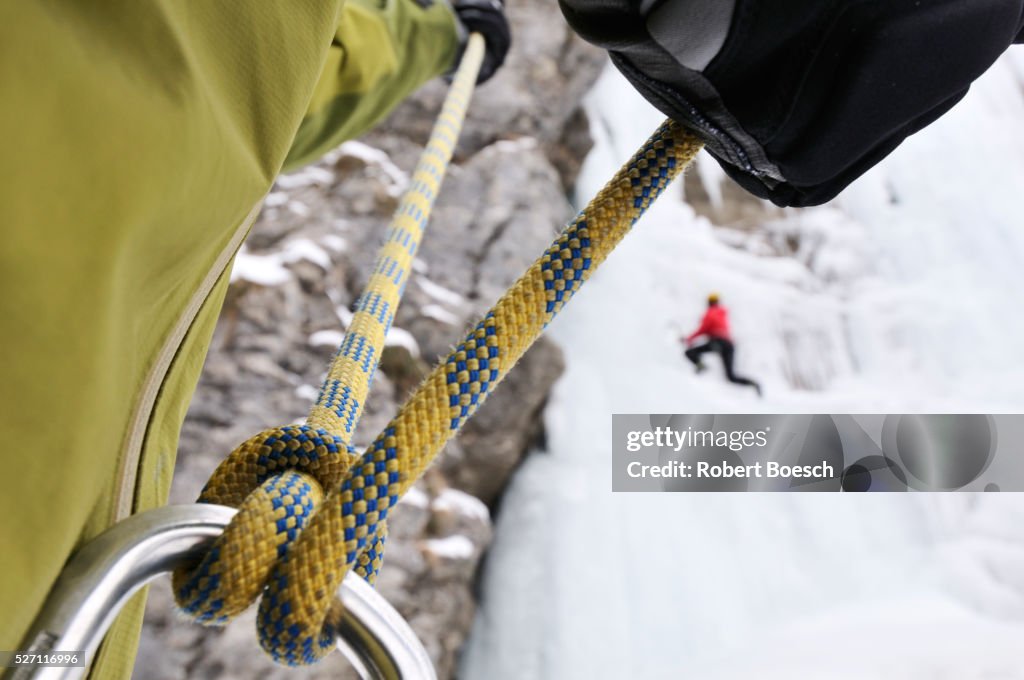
(715,323)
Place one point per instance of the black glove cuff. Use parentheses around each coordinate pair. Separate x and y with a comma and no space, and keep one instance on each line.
(486,17)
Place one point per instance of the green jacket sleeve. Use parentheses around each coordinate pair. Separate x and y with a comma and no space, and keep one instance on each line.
(381,52)
(137,139)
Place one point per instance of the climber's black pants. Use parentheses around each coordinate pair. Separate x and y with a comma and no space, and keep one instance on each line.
(725,349)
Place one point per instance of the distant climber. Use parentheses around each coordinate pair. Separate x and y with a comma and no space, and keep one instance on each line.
(715,327)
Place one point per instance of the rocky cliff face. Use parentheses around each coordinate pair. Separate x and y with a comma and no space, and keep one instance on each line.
(289,303)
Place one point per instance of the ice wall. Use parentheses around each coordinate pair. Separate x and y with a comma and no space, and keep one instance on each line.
(902,296)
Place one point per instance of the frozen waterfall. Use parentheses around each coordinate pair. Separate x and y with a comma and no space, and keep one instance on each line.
(905,295)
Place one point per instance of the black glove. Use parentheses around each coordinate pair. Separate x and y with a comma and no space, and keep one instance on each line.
(797,98)
(486,17)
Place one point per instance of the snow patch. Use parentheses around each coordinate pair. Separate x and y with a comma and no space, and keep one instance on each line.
(275,199)
(269,269)
(334,243)
(399,337)
(264,270)
(415,497)
(398,178)
(305,249)
(307,392)
(310,175)
(326,338)
(344,315)
(456,547)
(462,503)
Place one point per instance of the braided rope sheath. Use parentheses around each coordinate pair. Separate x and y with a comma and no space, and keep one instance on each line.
(307,547)
(295,612)
(276,478)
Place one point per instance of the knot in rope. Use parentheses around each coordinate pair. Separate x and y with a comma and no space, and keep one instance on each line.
(279,474)
(276,479)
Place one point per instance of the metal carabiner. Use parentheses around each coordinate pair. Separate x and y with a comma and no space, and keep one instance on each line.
(100,578)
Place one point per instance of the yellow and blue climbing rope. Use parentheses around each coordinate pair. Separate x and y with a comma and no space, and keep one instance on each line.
(293,543)
(255,478)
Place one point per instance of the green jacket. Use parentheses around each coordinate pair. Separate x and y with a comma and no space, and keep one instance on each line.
(139,140)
